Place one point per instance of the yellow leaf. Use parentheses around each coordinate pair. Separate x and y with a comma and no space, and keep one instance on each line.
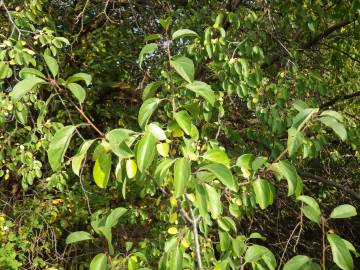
(56,201)
(177,132)
(173,201)
(173,218)
(121,122)
(172,230)
(131,168)
(185,243)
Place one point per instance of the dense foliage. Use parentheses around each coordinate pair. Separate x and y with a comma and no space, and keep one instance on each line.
(179,134)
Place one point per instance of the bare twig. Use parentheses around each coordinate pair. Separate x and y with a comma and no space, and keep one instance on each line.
(194,224)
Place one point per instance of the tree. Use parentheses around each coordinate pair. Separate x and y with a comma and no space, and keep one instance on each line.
(156,134)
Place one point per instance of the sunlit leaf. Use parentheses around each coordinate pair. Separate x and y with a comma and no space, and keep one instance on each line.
(78,236)
(25,86)
(184,67)
(182,170)
(58,146)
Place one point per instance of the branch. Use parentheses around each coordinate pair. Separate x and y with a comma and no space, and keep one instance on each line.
(80,110)
(341,51)
(339,98)
(194,222)
(315,40)
(326,33)
(351,192)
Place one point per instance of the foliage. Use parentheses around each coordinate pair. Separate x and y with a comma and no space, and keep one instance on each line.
(156,134)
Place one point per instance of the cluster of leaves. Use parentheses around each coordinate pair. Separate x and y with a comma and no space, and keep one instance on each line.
(183,171)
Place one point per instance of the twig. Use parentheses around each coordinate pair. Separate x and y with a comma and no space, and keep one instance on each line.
(287,244)
(194,223)
(355,194)
(323,243)
(80,110)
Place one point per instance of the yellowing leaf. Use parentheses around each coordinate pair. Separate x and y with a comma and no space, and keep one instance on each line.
(185,243)
(173,201)
(173,218)
(172,230)
(177,133)
(131,168)
(163,149)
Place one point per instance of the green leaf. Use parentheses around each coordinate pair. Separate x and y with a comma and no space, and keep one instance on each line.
(255,253)
(165,23)
(340,253)
(238,246)
(227,224)
(343,211)
(162,169)
(256,235)
(223,174)
(114,216)
(258,163)
(146,151)
(101,170)
(333,114)
(118,139)
(245,161)
(150,90)
(213,201)
(77,160)
(201,203)
(152,37)
(78,91)
(263,192)
(58,146)
(5,70)
(184,121)
(182,171)
(312,209)
(147,49)
(287,171)
(99,262)
(184,33)
(225,241)
(25,72)
(24,86)
(295,140)
(217,156)
(146,110)
(202,89)
(302,117)
(184,67)
(301,262)
(337,127)
(176,259)
(79,77)
(52,64)
(106,232)
(170,244)
(77,237)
